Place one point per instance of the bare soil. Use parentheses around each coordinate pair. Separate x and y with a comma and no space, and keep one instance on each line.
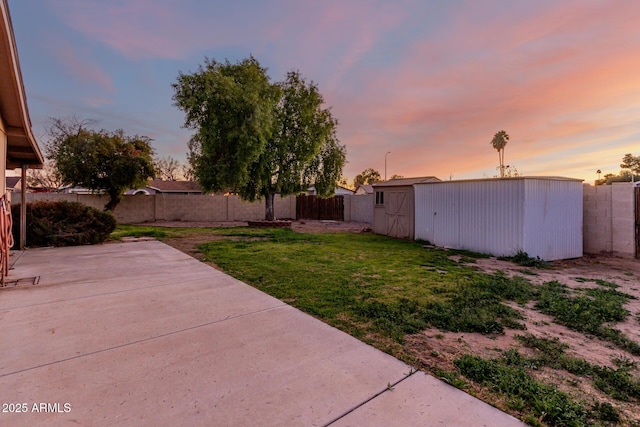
(436,349)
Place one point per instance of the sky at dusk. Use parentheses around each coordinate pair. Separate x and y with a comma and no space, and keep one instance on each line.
(430,81)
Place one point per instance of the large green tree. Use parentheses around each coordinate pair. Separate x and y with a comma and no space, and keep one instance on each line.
(103,161)
(499,141)
(632,163)
(258,138)
(630,171)
(367,176)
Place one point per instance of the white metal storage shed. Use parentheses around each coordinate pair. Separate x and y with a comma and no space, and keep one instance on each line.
(541,216)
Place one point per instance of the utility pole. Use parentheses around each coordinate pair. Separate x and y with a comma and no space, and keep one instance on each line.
(385,165)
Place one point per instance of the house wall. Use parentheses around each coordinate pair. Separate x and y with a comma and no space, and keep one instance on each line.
(542,217)
(179,207)
(3,156)
(609,219)
(359,208)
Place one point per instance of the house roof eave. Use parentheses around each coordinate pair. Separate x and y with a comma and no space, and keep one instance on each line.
(22,147)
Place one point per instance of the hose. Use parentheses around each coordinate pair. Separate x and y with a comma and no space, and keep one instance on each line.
(6,236)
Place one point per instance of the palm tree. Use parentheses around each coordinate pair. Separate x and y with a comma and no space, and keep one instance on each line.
(498,142)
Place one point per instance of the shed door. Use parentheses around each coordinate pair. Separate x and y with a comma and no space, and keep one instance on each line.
(397,213)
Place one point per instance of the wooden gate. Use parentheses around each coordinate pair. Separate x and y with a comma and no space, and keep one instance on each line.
(397,206)
(637,222)
(314,207)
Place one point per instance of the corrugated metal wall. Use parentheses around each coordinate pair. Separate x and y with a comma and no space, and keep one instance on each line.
(542,217)
(553,218)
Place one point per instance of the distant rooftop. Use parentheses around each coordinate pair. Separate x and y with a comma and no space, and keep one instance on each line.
(174,186)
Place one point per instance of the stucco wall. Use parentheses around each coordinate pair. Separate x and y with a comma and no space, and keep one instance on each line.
(609,223)
(3,156)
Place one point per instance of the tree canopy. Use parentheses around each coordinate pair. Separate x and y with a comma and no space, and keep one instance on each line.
(110,162)
(168,168)
(367,177)
(258,138)
(630,171)
(499,141)
(631,162)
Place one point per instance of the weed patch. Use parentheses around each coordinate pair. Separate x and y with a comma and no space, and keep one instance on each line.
(537,400)
(617,383)
(589,311)
(523,259)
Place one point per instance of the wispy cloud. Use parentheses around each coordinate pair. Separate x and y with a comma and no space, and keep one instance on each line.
(533,77)
(78,63)
(429,81)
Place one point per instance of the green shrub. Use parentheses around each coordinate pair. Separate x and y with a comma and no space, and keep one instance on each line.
(63,224)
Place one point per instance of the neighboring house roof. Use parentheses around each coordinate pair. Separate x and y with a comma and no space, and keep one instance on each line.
(182,187)
(12,182)
(154,187)
(339,191)
(406,181)
(364,189)
(74,189)
(22,148)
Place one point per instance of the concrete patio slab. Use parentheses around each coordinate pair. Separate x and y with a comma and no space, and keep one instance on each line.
(142,334)
(422,400)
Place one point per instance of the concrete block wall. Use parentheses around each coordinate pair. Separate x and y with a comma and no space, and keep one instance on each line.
(623,218)
(359,208)
(179,207)
(609,219)
(132,209)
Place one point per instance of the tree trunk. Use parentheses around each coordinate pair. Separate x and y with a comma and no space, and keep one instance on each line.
(114,199)
(269,208)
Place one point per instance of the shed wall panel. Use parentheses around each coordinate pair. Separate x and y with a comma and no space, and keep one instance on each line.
(473,215)
(553,219)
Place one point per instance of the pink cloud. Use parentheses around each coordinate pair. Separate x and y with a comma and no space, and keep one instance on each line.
(554,78)
(137,29)
(79,63)
(560,77)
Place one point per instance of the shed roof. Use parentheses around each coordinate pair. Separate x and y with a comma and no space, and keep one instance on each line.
(22,148)
(515,178)
(406,181)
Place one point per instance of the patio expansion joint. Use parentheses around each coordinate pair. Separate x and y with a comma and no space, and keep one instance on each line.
(388,388)
(167,334)
(173,283)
